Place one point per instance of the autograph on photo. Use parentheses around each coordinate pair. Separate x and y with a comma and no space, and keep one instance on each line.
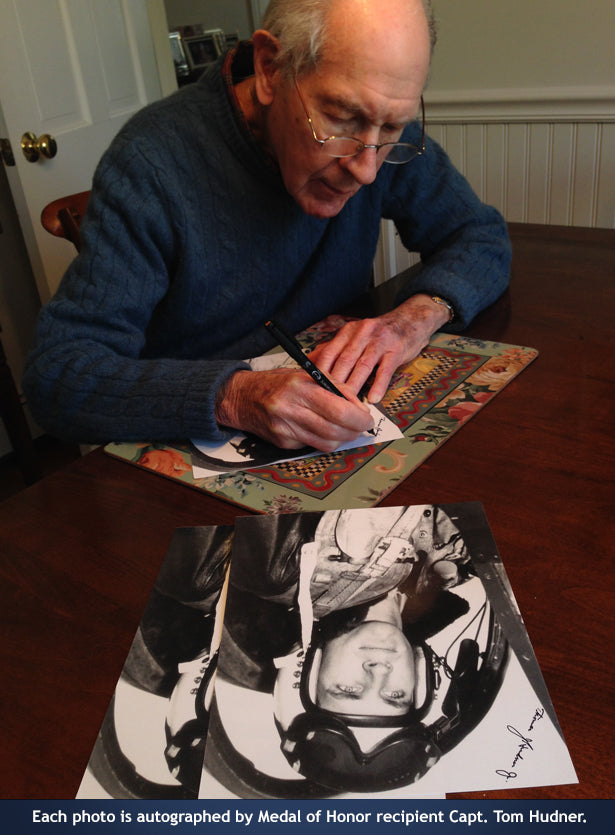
(524,746)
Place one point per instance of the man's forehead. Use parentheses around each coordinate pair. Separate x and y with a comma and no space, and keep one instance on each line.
(384,43)
(355,101)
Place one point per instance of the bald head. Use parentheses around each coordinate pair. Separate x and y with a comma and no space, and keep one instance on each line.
(392,36)
(306,29)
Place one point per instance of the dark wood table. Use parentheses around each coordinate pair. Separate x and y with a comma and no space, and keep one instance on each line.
(79,550)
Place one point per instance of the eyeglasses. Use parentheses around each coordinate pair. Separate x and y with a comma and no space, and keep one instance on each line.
(344,147)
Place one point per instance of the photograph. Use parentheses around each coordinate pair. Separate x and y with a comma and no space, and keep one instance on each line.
(202,49)
(151,742)
(340,653)
(306,419)
(359,648)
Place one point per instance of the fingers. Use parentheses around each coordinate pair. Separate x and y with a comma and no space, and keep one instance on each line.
(379,345)
(359,348)
(320,422)
(339,357)
(384,373)
(290,410)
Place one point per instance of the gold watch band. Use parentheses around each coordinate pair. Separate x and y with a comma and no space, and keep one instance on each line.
(447,304)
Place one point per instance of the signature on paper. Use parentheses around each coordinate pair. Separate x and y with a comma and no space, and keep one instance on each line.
(379,426)
(525,745)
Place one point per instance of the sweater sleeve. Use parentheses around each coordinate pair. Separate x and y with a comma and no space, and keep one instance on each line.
(88,377)
(463,243)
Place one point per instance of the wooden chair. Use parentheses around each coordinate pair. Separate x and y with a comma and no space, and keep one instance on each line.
(62,217)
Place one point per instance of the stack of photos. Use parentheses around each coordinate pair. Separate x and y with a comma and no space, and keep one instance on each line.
(355,653)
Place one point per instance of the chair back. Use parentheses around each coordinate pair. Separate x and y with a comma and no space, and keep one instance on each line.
(62,217)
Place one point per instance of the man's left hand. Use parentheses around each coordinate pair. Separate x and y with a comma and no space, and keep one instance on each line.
(381,344)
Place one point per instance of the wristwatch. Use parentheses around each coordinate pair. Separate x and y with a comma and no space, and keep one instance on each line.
(447,304)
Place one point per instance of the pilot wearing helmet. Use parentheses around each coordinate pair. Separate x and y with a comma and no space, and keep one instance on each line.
(345,558)
(327,653)
(332,614)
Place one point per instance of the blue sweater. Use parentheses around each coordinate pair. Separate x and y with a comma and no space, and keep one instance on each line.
(190,242)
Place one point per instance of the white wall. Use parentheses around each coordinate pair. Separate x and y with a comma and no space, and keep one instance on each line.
(522,96)
(486,44)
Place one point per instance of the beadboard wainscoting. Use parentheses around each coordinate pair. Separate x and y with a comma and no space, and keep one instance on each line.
(538,157)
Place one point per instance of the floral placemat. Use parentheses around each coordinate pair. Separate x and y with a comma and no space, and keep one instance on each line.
(429,399)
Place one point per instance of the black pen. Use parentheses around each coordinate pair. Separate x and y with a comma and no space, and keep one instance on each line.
(294,350)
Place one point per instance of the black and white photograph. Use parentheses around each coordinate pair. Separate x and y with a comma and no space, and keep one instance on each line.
(339,653)
(151,742)
(375,651)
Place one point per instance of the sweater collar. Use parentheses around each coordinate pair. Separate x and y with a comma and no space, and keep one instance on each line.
(238,65)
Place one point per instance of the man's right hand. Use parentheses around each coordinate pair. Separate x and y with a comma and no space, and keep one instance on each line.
(287,408)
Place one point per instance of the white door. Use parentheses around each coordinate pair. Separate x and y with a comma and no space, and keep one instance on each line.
(259,8)
(75,70)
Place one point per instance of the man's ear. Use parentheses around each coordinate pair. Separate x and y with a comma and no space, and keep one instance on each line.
(266,72)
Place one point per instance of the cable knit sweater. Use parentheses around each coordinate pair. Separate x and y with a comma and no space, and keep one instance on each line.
(190,242)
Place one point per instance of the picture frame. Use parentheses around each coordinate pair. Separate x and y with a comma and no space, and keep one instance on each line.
(204,48)
(178,52)
(231,39)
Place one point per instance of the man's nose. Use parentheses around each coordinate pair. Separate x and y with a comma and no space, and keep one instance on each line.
(376,664)
(363,166)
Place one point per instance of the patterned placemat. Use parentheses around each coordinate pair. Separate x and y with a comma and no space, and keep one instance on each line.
(429,399)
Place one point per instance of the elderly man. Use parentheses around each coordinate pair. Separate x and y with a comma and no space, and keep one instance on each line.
(257,193)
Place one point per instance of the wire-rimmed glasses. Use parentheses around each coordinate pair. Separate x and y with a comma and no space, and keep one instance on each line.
(343,147)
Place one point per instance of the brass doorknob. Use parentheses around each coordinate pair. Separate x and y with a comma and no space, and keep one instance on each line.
(33,148)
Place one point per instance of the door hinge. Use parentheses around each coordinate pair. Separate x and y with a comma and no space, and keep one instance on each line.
(6,151)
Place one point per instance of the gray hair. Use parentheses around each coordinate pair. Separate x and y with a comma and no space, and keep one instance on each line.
(300,27)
